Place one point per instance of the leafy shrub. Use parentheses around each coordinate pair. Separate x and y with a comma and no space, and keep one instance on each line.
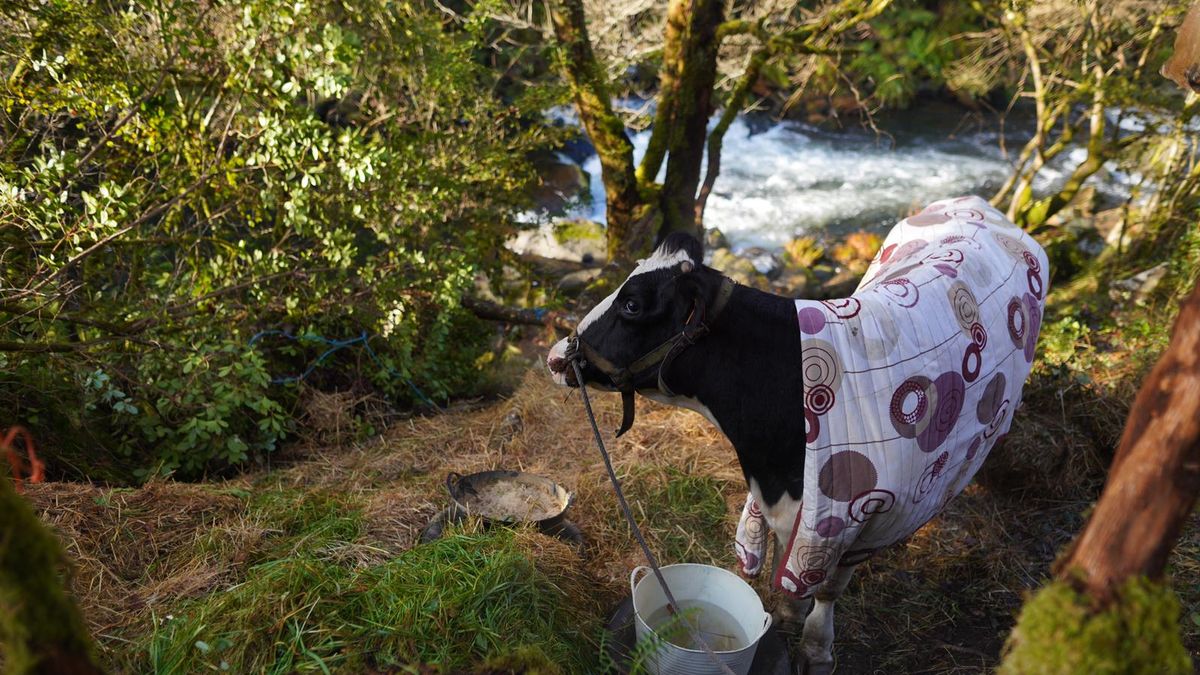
(176,177)
(920,44)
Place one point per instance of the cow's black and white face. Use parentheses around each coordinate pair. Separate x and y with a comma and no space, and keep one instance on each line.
(649,308)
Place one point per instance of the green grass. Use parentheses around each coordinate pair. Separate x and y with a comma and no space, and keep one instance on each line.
(471,596)
(685,516)
(467,601)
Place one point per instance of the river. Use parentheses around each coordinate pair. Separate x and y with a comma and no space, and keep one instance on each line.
(783,179)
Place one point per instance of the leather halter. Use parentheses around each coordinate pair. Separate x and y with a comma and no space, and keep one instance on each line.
(623,378)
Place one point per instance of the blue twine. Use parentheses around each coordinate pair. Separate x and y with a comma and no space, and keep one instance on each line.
(335,345)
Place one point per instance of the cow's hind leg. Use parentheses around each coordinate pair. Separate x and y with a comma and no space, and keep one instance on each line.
(817,640)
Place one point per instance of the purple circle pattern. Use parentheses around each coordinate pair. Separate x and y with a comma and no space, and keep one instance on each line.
(846,474)
(993,427)
(949,255)
(907,422)
(811,319)
(812,427)
(830,527)
(909,248)
(1034,310)
(1034,280)
(927,219)
(1018,322)
(901,291)
(978,335)
(819,399)
(1011,245)
(843,308)
(974,447)
(972,362)
(993,397)
(929,477)
(973,216)
(870,503)
(885,254)
(963,304)
(820,365)
(951,391)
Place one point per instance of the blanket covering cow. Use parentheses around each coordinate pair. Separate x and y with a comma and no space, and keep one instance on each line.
(909,383)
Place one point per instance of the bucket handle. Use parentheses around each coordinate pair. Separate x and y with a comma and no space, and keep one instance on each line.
(452,480)
(767,620)
(633,578)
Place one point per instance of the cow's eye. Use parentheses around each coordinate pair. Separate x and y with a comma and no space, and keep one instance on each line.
(631,307)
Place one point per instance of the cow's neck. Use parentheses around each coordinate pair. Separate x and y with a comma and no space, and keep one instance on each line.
(746,377)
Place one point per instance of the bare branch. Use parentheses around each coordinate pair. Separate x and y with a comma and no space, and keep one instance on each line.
(715,138)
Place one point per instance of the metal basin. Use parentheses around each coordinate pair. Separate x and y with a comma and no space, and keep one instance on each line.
(510,497)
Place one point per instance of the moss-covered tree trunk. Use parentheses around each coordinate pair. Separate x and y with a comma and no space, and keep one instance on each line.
(41,630)
(629,222)
(689,71)
(638,209)
(1107,611)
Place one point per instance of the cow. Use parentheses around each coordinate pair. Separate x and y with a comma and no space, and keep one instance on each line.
(855,420)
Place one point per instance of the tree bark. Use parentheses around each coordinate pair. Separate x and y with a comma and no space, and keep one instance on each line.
(490,311)
(690,64)
(715,140)
(589,86)
(1155,477)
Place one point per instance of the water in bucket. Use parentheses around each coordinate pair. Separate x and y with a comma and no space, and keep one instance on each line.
(718,627)
(726,609)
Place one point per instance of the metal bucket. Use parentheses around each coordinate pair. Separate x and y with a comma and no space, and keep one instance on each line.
(725,609)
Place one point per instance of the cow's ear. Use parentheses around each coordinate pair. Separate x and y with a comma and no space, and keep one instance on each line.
(688,283)
(682,241)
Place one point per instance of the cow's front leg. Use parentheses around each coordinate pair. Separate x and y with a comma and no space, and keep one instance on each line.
(817,639)
(789,610)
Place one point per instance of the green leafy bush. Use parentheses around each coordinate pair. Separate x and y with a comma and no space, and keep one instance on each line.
(176,177)
(919,44)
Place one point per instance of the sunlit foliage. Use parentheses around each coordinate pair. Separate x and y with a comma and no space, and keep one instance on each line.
(178,176)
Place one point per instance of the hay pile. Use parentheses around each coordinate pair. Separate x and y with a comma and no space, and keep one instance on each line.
(140,553)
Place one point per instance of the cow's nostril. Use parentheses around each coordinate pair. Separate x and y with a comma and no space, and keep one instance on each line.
(557,364)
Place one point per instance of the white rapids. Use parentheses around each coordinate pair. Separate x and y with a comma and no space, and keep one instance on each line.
(780,180)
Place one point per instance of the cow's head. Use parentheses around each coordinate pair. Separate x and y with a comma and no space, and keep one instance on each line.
(624,338)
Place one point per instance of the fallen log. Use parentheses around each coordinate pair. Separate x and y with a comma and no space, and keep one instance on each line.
(491,311)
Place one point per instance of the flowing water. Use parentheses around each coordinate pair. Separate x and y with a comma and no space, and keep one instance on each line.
(783,179)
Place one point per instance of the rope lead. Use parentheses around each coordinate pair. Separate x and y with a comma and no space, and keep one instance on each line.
(672,606)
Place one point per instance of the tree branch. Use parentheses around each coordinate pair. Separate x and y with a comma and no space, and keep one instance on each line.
(491,311)
(717,136)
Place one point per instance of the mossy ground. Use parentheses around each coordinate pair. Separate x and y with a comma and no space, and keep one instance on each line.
(1059,633)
